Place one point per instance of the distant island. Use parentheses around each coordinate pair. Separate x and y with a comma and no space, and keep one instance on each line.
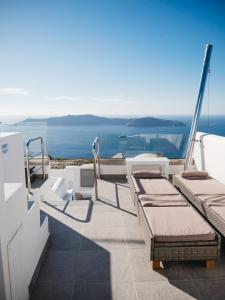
(92,120)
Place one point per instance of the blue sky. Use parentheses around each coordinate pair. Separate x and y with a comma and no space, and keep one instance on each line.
(109,57)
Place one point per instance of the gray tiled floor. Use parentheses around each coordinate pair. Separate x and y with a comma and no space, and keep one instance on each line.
(96,251)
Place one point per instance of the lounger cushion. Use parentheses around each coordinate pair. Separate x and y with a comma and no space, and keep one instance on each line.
(195,174)
(209,186)
(146,174)
(162,200)
(212,200)
(155,186)
(173,224)
(219,210)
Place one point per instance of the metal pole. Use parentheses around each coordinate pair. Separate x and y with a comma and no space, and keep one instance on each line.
(195,121)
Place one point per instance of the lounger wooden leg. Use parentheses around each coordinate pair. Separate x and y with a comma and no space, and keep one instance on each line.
(156,264)
(210,263)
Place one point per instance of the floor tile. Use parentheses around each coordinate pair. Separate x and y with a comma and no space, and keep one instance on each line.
(107,219)
(101,291)
(142,269)
(58,218)
(81,213)
(211,289)
(106,237)
(198,270)
(52,292)
(100,208)
(123,291)
(66,239)
(130,220)
(57,267)
(134,238)
(175,290)
(98,266)
(92,266)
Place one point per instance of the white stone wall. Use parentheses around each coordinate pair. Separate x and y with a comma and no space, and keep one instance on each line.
(209,155)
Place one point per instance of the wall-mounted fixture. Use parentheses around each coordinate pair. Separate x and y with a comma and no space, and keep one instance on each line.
(4,148)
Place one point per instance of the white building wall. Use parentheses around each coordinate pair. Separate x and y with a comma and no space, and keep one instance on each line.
(209,155)
(22,239)
(2,280)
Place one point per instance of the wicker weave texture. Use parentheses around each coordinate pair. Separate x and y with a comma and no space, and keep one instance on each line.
(217,221)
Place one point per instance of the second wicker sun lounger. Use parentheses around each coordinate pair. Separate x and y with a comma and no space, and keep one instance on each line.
(207,195)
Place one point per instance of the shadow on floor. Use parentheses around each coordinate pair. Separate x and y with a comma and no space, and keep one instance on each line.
(68,272)
(63,210)
(111,195)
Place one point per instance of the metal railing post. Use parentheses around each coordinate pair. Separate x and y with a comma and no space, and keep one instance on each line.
(195,121)
(95,181)
(28,160)
(43,156)
(96,153)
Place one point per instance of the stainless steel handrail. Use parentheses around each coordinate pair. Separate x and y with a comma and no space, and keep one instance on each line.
(96,155)
(28,158)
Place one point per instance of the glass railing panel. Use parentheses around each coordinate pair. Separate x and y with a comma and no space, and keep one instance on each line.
(171,145)
(73,142)
(76,142)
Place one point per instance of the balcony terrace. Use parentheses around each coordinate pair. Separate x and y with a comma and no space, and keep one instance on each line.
(96,251)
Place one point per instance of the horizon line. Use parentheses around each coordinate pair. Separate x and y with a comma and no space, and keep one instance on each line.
(106,115)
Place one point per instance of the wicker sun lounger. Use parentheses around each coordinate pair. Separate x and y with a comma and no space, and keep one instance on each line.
(173,230)
(207,195)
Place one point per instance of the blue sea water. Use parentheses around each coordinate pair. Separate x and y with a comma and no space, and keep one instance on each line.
(76,141)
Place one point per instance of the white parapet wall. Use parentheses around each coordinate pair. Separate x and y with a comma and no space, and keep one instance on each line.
(209,155)
(72,175)
(12,157)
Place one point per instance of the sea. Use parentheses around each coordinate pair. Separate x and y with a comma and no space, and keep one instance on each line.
(73,142)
